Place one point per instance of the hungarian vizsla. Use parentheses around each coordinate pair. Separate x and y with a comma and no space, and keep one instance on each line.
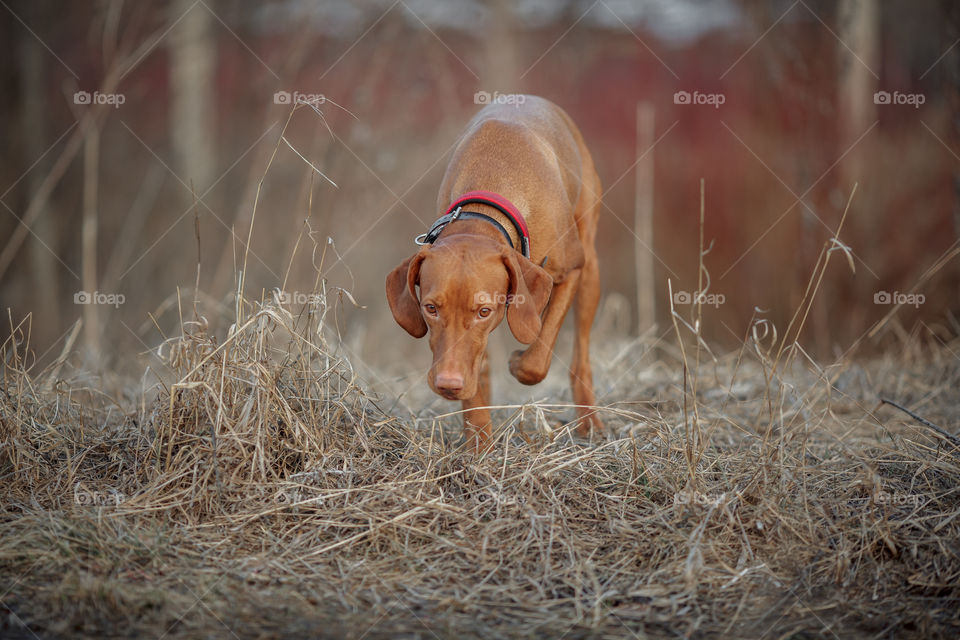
(517,241)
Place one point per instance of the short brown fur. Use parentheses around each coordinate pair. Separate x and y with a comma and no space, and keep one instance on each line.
(531,153)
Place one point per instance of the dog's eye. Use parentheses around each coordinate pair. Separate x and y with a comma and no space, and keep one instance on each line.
(484,312)
(431,309)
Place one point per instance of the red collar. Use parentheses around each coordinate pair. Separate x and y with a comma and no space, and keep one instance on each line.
(494,200)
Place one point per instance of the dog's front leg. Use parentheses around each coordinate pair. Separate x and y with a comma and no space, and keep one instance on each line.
(531,365)
(476,417)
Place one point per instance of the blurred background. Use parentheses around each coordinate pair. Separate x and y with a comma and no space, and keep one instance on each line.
(138,137)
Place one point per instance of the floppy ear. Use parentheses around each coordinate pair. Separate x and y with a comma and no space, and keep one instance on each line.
(402,295)
(530,288)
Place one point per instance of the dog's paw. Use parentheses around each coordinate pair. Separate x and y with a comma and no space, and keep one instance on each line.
(524,371)
(590,423)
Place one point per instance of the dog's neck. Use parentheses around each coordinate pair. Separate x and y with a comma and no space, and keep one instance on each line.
(499,216)
(475,227)
(500,208)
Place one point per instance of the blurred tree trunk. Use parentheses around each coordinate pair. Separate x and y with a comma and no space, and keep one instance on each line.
(643,252)
(500,64)
(193,94)
(33,121)
(859,29)
(858,71)
(88,242)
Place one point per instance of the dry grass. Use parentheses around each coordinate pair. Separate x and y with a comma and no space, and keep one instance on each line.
(264,493)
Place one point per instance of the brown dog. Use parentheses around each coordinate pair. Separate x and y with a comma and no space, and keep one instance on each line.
(528,157)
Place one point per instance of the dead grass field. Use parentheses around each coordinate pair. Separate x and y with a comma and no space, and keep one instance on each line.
(261,491)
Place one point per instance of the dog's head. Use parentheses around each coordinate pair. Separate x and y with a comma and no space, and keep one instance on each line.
(466,285)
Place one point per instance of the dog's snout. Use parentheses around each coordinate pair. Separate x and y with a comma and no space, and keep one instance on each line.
(451,383)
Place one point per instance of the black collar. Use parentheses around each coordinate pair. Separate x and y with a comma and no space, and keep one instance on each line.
(431,236)
(481,197)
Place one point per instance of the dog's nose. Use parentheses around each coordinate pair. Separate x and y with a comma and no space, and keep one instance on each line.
(451,383)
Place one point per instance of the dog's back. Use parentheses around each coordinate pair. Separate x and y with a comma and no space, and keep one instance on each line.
(535,135)
(530,132)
